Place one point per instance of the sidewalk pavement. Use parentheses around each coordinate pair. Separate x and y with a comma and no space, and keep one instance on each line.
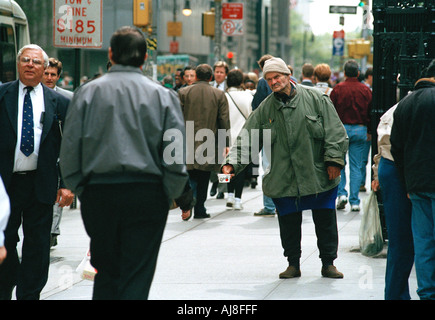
(232,256)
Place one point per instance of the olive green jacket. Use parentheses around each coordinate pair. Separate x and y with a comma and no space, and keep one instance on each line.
(306,136)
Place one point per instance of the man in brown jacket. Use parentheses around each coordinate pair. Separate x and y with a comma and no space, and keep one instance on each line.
(205,111)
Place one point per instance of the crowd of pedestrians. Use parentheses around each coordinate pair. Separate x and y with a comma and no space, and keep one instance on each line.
(169,142)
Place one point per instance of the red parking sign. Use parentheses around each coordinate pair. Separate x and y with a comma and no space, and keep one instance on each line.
(78,23)
(232,19)
(232,11)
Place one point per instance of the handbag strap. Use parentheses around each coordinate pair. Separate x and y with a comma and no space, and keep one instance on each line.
(237,106)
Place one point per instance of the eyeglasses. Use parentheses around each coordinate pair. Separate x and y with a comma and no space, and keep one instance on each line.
(26,60)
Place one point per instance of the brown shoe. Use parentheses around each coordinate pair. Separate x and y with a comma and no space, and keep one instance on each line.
(290,272)
(331,272)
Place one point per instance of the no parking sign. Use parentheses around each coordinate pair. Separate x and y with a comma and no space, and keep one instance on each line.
(78,24)
(232,19)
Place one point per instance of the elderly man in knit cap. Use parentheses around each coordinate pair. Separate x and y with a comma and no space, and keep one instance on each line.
(307,142)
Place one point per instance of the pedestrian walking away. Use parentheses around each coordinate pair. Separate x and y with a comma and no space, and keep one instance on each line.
(322,74)
(413,150)
(307,75)
(293,116)
(353,101)
(114,161)
(397,208)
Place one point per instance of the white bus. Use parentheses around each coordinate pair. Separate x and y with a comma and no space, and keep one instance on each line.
(14,34)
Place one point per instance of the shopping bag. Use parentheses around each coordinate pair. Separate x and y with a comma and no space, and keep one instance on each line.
(85,268)
(370,232)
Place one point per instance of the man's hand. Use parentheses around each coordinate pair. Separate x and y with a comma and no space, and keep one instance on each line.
(228,169)
(2,254)
(333,172)
(375,185)
(64,197)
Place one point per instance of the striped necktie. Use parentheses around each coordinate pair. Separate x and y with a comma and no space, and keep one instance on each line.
(27,135)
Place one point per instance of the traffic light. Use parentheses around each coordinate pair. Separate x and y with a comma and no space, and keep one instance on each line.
(208,23)
(142,13)
(230,57)
(359,48)
(362,3)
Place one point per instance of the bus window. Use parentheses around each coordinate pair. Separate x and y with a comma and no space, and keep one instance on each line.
(21,35)
(8,56)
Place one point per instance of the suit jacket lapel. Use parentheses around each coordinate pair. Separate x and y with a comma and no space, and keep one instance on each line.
(11,105)
(50,112)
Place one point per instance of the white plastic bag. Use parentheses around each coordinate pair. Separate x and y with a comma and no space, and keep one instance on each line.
(370,232)
(86,270)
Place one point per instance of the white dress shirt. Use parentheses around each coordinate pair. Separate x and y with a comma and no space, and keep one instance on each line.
(23,163)
(4,211)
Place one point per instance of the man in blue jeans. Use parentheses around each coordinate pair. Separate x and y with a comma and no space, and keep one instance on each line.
(413,149)
(353,101)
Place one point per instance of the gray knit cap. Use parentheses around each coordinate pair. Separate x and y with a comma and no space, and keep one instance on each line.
(275,65)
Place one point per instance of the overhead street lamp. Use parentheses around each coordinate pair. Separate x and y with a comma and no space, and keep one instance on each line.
(187,11)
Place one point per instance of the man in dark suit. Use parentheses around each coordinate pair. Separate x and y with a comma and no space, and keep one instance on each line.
(31,119)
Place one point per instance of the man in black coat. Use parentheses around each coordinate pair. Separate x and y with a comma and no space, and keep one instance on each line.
(31,120)
(413,149)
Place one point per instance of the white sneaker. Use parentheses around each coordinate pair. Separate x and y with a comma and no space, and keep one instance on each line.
(238,204)
(341,203)
(230,200)
(355,207)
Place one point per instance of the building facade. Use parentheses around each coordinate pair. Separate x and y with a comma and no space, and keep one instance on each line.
(266,30)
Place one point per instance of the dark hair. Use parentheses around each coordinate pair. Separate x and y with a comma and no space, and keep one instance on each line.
(129,46)
(308,70)
(188,68)
(54,63)
(204,72)
(234,78)
(369,72)
(351,69)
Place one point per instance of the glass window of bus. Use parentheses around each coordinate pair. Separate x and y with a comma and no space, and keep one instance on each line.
(8,54)
(20,34)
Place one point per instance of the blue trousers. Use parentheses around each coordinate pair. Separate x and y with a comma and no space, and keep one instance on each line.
(423,228)
(269,206)
(357,141)
(397,208)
